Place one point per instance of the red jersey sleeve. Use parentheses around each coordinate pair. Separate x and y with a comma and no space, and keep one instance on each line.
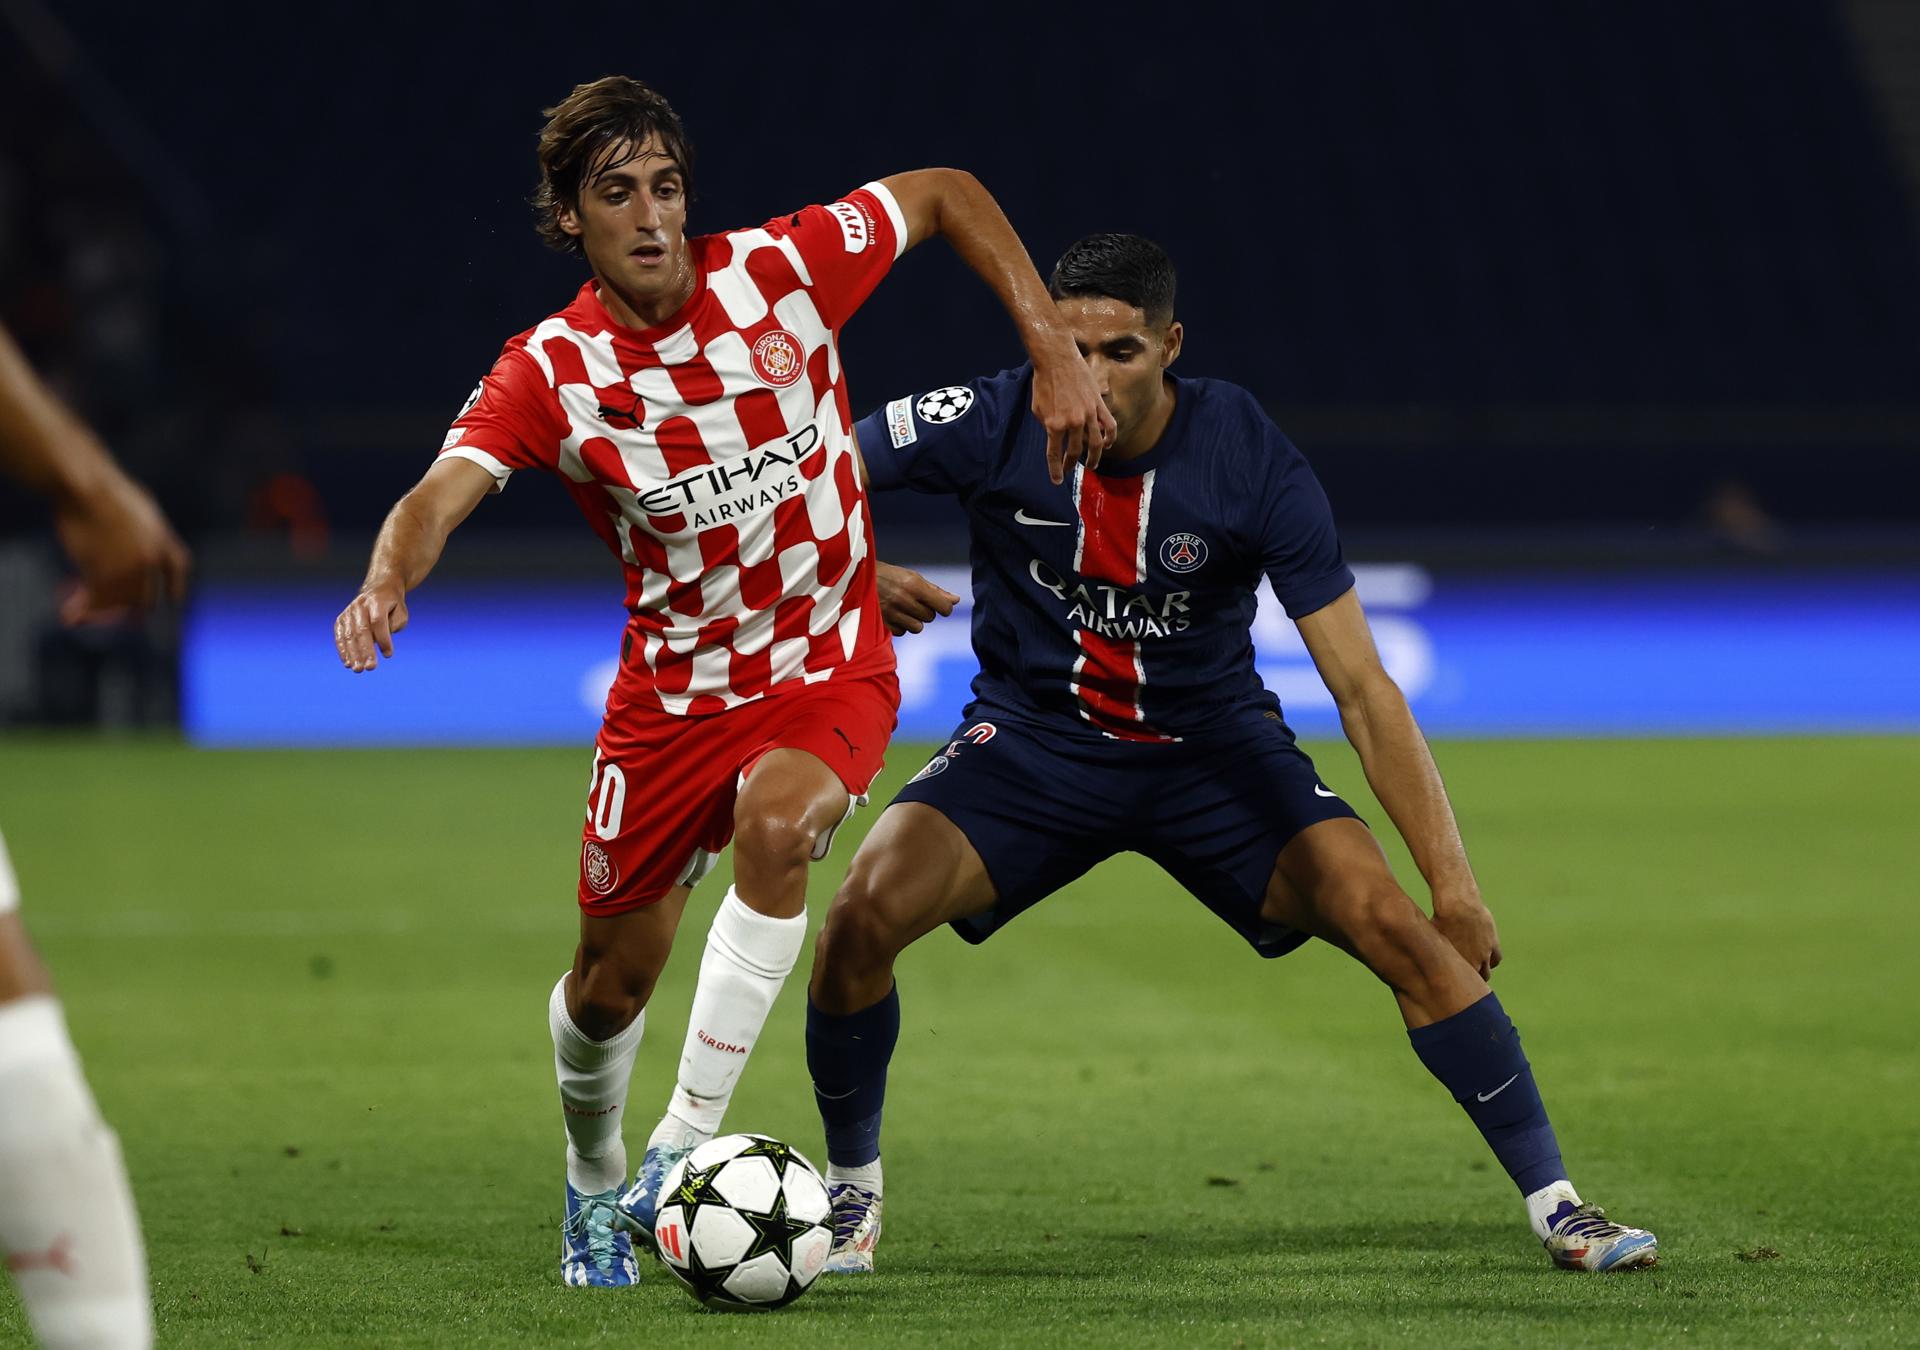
(511,420)
(847,246)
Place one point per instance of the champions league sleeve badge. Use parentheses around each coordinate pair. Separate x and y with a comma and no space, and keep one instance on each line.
(944,405)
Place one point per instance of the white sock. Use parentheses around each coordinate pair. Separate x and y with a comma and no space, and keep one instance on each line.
(866,1176)
(748,957)
(67,1225)
(593,1092)
(1543,1202)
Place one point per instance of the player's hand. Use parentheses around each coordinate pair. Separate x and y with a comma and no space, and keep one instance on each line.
(908,601)
(127,553)
(1465,921)
(1068,405)
(376,614)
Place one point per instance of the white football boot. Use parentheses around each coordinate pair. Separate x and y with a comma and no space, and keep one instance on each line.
(1581,1237)
(856,1228)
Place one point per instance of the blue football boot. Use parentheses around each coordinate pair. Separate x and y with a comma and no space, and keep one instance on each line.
(592,1250)
(634,1211)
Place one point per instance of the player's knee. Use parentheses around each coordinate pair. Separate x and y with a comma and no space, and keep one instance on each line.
(1379,920)
(773,839)
(609,995)
(857,937)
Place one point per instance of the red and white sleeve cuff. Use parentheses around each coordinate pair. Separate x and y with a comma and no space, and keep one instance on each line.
(892,208)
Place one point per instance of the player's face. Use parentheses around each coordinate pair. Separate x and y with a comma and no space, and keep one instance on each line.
(1126,355)
(631,220)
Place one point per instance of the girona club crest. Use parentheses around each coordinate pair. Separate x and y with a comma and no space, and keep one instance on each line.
(777,359)
(598,869)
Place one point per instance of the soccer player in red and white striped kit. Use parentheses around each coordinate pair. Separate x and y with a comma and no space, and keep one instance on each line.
(692,401)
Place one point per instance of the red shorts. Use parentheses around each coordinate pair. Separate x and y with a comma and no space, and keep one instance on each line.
(661,803)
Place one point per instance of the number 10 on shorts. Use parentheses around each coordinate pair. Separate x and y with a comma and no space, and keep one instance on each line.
(606,798)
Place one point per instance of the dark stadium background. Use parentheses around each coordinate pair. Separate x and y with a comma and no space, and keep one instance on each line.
(1590,285)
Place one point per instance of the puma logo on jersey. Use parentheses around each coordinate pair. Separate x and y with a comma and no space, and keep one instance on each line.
(622,419)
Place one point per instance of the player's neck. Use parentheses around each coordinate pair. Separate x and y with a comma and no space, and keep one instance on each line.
(1153,426)
(632,311)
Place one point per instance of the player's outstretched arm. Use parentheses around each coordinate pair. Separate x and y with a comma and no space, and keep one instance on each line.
(126,552)
(409,545)
(1401,771)
(953,204)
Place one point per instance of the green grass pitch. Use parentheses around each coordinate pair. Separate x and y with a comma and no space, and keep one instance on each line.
(310,991)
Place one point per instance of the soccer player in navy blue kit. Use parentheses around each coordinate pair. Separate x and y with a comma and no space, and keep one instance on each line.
(1111,615)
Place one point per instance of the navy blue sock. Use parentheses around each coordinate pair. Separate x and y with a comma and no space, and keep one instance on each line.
(848,1057)
(1476,1056)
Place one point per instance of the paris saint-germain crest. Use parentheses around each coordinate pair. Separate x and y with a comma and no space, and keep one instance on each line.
(1183,552)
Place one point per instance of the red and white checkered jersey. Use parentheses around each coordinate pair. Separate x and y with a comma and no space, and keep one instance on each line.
(714,454)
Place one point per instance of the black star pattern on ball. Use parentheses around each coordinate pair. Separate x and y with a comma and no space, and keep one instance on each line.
(702,1279)
(781,1155)
(696,1189)
(773,1231)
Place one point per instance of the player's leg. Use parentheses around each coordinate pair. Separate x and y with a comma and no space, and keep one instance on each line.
(597,1016)
(789,801)
(914,872)
(804,759)
(1331,880)
(657,807)
(68,1231)
(974,839)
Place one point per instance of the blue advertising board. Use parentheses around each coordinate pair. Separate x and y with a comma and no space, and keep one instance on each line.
(1676,653)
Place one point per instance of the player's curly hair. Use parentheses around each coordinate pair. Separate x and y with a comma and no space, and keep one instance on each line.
(585,132)
(1125,267)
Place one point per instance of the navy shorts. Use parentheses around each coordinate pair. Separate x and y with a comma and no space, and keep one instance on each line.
(1214,818)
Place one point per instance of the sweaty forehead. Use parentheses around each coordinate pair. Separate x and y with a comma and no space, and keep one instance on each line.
(1097,319)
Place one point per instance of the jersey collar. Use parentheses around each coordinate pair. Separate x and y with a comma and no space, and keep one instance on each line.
(648,337)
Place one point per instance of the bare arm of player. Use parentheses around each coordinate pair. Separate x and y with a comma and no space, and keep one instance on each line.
(951,202)
(1401,771)
(126,552)
(409,545)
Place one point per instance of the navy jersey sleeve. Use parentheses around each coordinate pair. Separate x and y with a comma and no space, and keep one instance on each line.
(944,440)
(1299,547)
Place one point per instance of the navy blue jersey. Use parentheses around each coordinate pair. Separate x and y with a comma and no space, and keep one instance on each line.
(1118,604)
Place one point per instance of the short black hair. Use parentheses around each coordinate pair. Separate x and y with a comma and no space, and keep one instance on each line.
(1124,267)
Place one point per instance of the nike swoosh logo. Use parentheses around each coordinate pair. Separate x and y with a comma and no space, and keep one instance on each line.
(1022,518)
(1489,1096)
(1319,791)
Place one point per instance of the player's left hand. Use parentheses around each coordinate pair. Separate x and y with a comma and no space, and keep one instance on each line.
(1466,922)
(908,601)
(127,553)
(1067,403)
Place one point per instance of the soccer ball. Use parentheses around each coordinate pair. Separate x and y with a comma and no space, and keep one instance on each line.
(744,1222)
